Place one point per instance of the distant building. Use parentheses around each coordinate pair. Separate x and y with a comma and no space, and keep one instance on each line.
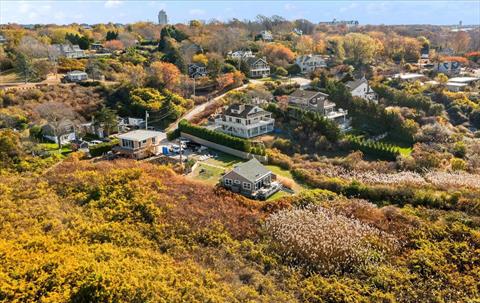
(335,22)
(76,76)
(257,67)
(241,54)
(245,120)
(318,101)
(460,83)
(309,63)
(2,39)
(298,31)
(409,77)
(448,67)
(361,88)
(65,132)
(251,179)
(69,51)
(140,143)
(266,36)
(162,17)
(196,70)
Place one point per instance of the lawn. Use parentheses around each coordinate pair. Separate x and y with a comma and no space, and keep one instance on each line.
(278,195)
(403,148)
(10,76)
(53,148)
(223,159)
(207,173)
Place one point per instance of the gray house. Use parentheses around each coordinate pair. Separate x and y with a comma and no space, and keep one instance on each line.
(251,179)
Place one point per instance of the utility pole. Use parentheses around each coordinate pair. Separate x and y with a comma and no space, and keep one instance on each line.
(146,119)
(194,86)
(181,151)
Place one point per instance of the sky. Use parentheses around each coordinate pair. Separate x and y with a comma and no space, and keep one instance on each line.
(118,11)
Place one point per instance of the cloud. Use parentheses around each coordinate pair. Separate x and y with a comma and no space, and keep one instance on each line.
(289,7)
(112,3)
(351,6)
(197,12)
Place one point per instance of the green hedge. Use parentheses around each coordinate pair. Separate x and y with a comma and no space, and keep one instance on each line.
(219,138)
(374,149)
(99,149)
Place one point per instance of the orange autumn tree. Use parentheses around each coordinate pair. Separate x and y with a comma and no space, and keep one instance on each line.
(278,54)
(114,45)
(164,75)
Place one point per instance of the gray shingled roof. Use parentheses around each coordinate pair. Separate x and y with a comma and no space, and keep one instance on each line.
(251,170)
(356,83)
(309,94)
(243,114)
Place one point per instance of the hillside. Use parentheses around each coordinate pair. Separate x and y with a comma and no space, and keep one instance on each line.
(129,232)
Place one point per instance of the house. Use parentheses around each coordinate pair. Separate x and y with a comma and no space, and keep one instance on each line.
(130,122)
(298,31)
(409,77)
(76,76)
(196,70)
(251,179)
(447,67)
(335,22)
(361,88)
(241,54)
(309,63)
(245,120)
(257,67)
(69,51)
(63,132)
(2,39)
(266,36)
(140,144)
(318,101)
(457,84)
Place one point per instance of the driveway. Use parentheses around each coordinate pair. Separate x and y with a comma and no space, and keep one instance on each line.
(199,108)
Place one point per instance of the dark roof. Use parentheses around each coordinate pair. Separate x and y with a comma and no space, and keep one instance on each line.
(247,108)
(251,170)
(309,94)
(356,83)
(252,60)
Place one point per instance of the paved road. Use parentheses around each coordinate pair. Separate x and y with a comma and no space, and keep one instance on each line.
(198,109)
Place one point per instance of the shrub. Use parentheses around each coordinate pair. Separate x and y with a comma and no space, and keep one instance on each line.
(378,150)
(219,138)
(100,149)
(326,241)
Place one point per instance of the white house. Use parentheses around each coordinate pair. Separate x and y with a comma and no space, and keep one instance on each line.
(266,35)
(245,120)
(308,63)
(460,83)
(64,132)
(409,77)
(258,67)
(241,54)
(361,88)
(76,76)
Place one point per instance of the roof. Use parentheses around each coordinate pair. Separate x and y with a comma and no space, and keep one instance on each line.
(409,76)
(463,79)
(356,83)
(309,94)
(251,170)
(252,60)
(76,72)
(458,84)
(247,108)
(141,134)
(305,58)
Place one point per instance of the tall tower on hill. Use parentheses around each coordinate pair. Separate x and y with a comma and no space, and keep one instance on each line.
(162,17)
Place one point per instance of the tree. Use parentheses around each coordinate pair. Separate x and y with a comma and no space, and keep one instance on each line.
(111,35)
(460,42)
(107,119)
(441,78)
(200,58)
(281,72)
(164,75)
(114,45)
(24,66)
(305,45)
(10,147)
(359,48)
(56,114)
(135,74)
(278,54)
(215,64)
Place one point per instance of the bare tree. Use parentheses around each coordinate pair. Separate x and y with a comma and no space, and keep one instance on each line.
(59,116)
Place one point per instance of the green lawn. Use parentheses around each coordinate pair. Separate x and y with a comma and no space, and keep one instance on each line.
(53,148)
(207,173)
(278,195)
(280,171)
(224,160)
(404,149)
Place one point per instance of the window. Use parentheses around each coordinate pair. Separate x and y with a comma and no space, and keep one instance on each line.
(247,185)
(228,181)
(153,140)
(237,181)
